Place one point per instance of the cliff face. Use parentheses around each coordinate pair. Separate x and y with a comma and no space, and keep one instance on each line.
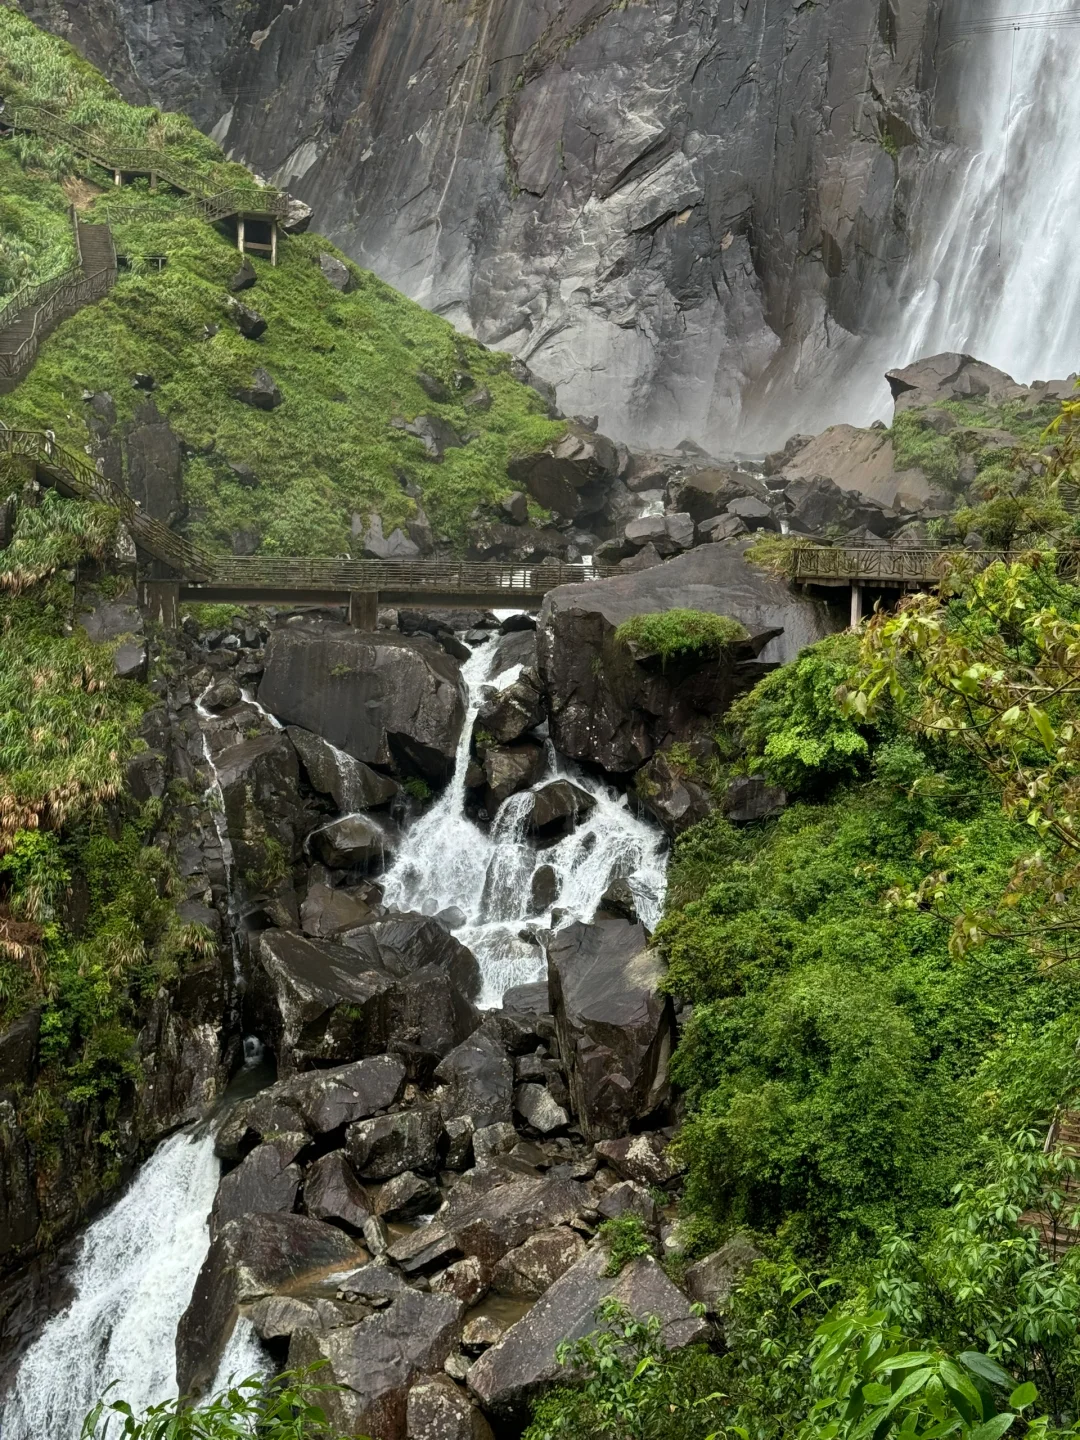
(658,204)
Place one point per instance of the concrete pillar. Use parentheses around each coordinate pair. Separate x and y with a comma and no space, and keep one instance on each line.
(364,609)
(118,177)
(273,242)
(856,605)
(153,180)
(160,601)
(240,233)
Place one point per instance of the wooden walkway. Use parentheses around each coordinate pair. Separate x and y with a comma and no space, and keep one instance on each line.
(35,310)
(890,567)
(244,202)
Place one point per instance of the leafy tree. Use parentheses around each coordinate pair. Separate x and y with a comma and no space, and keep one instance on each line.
(995,670)
(791,728)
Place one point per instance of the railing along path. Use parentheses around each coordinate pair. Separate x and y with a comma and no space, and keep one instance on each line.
(900,564)
(75,475)
(148,160)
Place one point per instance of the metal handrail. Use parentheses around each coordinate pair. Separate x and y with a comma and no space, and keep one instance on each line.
(81,478)
(146,160)
(448,577)
(897,563)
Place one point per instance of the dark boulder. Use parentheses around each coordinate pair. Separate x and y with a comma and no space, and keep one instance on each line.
(711,1282)
(259,782)
(371,1367)
(670,797)
(353,785)
(117,620)
(265,1181)
(247,1260)
(326,912)
(487,1220)
(607,708)
(248,321)
(751,797)
(615,1029)
(558,475)
(434,388)
(755,514)
(435,434)
(354,842)
(525,1272)
(512,1372)
(644,1159)
(951,377)
(317,1002)
(510,768)
(705,493)
(406,1195)
(438,1410)
(336,273)
(508,714)
(477,1080)
(154,471)
(558,806)
(374,545)
(262,393)
(333,1193)
(380,697)
(244,278)
(402,944)
(383,1147)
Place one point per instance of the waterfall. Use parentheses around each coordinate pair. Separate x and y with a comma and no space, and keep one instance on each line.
(447,860)
(1000,276)
(133,1279)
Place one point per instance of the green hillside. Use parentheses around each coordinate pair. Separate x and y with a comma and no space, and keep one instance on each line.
(346,363)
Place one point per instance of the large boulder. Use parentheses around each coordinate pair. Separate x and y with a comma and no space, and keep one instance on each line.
(354,842)
(384,698)
(353,785)
(318,1002)
(402,944)
(671,797)
(615,1028)
(388,1145)
(477,1080)
(370,1367)
(951,377)
(266,1181)
(711,1282)
(525,1272)
(507,714)
(154,472)
(572,475)
(862,461)
(247,1260)
(259,782)
(332,1192)
(438,1410)
(513,1371)
(612,709)
(116,620)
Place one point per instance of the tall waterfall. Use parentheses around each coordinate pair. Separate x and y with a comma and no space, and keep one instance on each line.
(446,860)
(998,271)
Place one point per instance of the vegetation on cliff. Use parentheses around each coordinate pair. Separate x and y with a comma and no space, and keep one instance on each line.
(346,362)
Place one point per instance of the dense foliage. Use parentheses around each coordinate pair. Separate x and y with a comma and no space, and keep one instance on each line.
(286,1407)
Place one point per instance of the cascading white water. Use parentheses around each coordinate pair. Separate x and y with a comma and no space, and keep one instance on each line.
(1000,276)
(447,861)
(132,1280)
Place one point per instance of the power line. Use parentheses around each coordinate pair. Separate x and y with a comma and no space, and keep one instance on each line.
(1034,20)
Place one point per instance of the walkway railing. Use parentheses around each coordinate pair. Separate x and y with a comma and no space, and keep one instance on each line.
(147,160)
(76,475)
(445,577)
(898,565)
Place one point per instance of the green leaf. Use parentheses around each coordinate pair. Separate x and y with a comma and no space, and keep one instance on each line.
(993,1429)
(1023,1396)
(984,1367)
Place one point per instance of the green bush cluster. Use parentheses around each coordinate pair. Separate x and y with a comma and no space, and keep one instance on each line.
(671,633)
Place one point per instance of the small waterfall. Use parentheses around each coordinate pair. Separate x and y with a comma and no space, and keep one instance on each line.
(133,1280)
(447,860)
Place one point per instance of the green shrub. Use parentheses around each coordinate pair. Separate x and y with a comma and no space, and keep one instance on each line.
(791,725)
(668,633)
(626,1238)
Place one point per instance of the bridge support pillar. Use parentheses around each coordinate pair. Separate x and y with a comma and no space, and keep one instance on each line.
(273,242)
(364,609)
(240,228)
(856,605)
(160,602)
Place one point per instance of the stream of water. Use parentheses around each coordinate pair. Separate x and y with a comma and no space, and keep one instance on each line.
(138,1260)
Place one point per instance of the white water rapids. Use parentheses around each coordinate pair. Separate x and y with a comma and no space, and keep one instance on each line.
(138,1261)
(133,1279)
(449,861)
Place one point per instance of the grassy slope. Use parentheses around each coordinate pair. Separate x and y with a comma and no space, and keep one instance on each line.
(346,364)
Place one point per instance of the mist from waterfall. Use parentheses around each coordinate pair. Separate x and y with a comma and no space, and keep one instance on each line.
(447,860)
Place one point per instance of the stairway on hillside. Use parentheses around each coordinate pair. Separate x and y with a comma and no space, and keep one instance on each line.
(96,245)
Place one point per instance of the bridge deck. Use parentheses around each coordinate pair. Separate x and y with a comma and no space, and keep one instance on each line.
(888,567)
